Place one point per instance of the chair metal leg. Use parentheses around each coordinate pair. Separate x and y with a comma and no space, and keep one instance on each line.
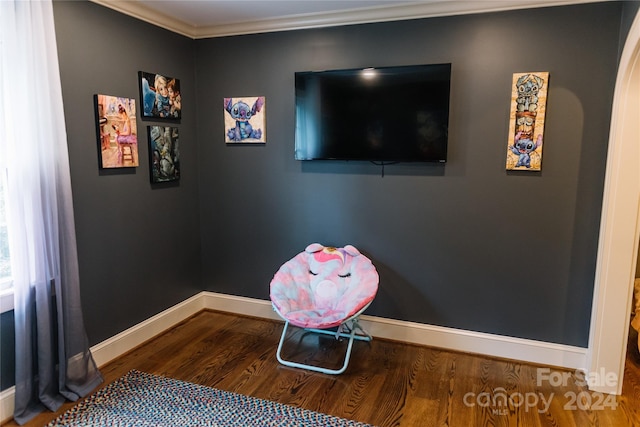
(351,335)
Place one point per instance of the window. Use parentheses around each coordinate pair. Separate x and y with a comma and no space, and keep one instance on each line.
(5,260)
(6,283)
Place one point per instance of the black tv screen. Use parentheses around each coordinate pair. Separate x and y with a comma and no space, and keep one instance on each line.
(389,114)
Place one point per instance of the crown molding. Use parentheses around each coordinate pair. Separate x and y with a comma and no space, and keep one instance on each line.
(399,12)
(140,11)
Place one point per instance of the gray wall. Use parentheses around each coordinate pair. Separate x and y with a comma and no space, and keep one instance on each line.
(7,350)
(466,245)
(138,244)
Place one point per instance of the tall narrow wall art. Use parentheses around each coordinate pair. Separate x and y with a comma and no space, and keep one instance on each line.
(117,131)
(164,153)
(526,121)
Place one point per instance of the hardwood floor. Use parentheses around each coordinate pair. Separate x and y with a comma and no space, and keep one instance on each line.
(387,383)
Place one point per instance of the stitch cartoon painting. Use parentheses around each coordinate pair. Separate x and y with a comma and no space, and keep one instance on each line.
(526,121)
(244,120)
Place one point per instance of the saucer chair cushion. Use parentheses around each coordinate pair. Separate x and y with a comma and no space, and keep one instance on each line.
(323,286)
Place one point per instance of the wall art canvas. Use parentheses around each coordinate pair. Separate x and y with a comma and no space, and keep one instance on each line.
(164,153)
(160,96)
(245,120)
(117,131)
(526,121)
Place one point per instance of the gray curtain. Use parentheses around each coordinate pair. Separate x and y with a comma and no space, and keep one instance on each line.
(53,361)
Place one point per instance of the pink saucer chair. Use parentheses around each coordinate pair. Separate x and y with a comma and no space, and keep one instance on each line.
(324,290)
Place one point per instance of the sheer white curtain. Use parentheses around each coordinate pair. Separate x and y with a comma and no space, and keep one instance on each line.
(53,361)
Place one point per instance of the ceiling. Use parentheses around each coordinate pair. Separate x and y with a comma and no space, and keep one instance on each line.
(218,18)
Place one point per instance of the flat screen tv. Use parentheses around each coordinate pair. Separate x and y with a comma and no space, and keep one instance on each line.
(389,114)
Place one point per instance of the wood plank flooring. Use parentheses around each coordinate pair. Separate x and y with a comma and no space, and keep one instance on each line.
(387,383)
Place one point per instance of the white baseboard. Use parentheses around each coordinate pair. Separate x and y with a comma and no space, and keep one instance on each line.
(129,339)
(239,305)
(530,351)
(537,352)
(6,404)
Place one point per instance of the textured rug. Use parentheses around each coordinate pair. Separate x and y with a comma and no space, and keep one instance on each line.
(140,399)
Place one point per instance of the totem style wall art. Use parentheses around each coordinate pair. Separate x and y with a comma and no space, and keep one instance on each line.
(526,121)
(244,120)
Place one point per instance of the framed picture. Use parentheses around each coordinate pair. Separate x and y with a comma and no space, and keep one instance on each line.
(117,131)
(526,121)
(244,120)
(160,96)
(164,153)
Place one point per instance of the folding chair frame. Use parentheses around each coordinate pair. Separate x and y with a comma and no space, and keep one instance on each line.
(347,329)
